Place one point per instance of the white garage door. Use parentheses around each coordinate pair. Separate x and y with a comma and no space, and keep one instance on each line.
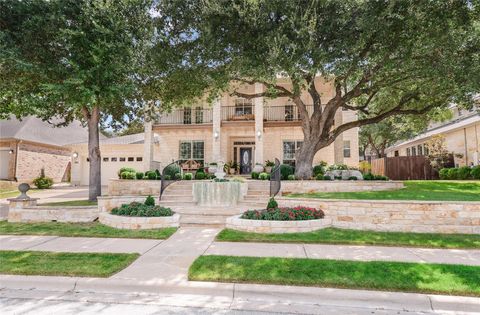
(110,167)
(4,160)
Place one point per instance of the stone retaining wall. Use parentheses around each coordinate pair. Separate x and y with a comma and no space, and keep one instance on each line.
(266,226)
(305,186)
(138,223)
(133,187)
(53,214)
(401,216)
(107,203)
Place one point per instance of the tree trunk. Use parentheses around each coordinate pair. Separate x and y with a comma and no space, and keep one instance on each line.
(304,160)
(95,178)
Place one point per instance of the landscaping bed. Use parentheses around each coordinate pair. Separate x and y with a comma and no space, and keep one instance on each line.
(356,237)
(93,229)
(63,264)
(414,190)
(372,275)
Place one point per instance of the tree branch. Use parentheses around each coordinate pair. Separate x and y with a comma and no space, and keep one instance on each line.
(277,87)
(252,96)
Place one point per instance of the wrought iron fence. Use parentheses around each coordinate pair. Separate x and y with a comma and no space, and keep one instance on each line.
(187,116)
(169,176)
(283,112)
(275,179)
(238,113)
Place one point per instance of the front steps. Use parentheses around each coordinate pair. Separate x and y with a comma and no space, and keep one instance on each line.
(179,197)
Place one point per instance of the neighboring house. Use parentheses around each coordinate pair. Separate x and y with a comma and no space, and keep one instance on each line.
(29,145)
(461,133)
(116,152)
(245,131)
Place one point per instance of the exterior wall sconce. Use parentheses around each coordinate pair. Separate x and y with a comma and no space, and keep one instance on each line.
(11,151)
(259,135)
(215,135)
(75,155)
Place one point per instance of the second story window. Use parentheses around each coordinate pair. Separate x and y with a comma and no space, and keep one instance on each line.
(198,115)
(346,149)
(243,106)
(289,113)
(187,116)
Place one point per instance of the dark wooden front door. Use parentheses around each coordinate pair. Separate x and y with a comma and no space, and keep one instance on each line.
(245,160)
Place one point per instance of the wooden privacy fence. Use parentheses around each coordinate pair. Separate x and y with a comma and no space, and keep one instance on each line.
(404,168)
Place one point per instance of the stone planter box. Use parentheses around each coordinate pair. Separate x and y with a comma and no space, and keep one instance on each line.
(266,226)
(305,186)
(53,214)
(138,223)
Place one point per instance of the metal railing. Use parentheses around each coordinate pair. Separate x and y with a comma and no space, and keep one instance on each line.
(187,116)
(283,112)
(275,179)
(169,176)
(238,113)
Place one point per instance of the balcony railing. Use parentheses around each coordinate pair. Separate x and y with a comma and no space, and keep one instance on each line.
(187,116)
(283,112)
(238,113)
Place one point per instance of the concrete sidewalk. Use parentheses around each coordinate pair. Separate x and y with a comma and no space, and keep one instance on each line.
(346,252)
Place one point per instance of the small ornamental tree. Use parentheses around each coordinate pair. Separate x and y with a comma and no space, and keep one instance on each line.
(382,58)
(74,60)
(437,152)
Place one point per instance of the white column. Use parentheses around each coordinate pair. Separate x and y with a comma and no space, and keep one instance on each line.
(216,131)
(259,136)
(338,143)
(148,146)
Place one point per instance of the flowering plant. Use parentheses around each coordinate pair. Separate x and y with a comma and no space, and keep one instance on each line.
(284,214)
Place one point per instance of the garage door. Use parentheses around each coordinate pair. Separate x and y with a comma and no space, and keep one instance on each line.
(110,167)
(4,160)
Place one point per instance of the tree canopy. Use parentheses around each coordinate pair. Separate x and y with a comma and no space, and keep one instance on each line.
(384,58)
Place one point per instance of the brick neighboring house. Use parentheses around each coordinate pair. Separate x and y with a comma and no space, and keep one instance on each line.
(29,145)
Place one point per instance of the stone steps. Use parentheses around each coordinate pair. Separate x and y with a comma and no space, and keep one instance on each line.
(203,220)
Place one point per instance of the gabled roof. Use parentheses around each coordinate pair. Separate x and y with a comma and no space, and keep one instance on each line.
(137,138)
(34,129)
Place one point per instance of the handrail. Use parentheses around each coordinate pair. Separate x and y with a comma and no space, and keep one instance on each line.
(165,181)
(275,179)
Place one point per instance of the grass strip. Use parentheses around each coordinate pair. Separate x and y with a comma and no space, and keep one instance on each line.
(357,237)
(92,229)
(70,203)
(373,275)
(414,190)
(63,264)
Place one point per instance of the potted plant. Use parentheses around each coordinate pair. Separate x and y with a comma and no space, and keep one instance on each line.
(268,166)
(212,167)
(231,167)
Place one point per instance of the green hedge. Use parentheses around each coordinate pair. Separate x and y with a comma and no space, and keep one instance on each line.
(460,173)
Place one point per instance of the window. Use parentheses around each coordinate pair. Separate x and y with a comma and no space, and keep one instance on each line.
(243,106)
(192,150)
(139,159)
(113,159)
(420,149)
(122,159)
(105,159)
(414,151)
(198,115)
(396,153)
(408,152)
(289,114)
(425,149)
(346,148)
(290,148)
(187,116)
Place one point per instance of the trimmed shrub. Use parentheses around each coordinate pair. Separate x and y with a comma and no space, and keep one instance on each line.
(291,177)
(475,172)
(157,174)
(178,176)
(340,167)
(380,177)
(171,170)
(263,176)
(150,201)
(319,177)
(137,209)
(368,176)
(298,213)
(337,177)
(254,175)
(286,170)
(452,173)
(151,175)
(326,177)
(318,170)
(167,177)
(125,169)
(128,175)
(352,178)
(443,173)
(188,176)
(463,172)
(199,175)
(43,182)
(139,175)
(272,204)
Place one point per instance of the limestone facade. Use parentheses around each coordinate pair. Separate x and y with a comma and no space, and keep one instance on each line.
(265,226)
(138,223)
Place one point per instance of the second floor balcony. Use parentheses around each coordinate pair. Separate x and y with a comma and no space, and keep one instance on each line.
(198,116)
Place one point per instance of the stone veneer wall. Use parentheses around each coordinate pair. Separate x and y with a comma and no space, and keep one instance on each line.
(53,214)
(138,223)
(107,203)
(401,216)
(132,187)
(305,186)
(266,226)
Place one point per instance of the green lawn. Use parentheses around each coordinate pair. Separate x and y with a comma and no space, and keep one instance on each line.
(374,275)
(70,203)
(93,229)
(414,190)
(356,237)
(63,264)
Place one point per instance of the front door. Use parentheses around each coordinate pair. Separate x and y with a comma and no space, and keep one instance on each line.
(245,160)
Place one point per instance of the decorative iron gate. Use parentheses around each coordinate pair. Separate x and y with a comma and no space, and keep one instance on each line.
(169,176)
(275,179)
